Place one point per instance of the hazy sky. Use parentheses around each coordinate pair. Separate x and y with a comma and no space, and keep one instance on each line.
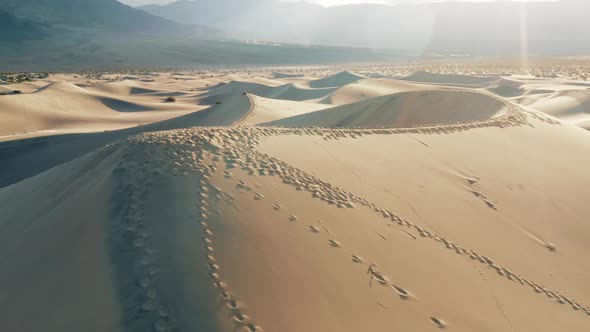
(322,2)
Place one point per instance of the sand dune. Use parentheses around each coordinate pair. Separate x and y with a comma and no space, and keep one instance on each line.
(336,80)
(286,75)
(405,109)
(569,106)
(257,211)
(568,101)
(267,110)
(63,107)
(278,90)
(369,88)
(249,109)
(255,206)
(126,87)
(452,79)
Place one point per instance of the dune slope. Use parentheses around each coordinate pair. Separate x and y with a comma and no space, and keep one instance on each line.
(406,109)
(219,228)
(377,205)
(62,107)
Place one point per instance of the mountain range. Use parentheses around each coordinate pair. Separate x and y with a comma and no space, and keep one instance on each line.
(489,28)
(97,16)
(90,34)
(14,28)
(50,35)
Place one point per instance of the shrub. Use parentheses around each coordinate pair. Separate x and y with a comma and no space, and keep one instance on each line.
(170,99)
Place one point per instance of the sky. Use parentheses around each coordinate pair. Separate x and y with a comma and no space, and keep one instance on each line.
(321,2)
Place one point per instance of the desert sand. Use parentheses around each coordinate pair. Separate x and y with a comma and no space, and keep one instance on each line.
(296,199)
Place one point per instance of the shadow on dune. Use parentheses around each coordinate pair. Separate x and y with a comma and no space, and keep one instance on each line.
(23,159)
(403,110)
(139,91)
(123,106)
(289,91)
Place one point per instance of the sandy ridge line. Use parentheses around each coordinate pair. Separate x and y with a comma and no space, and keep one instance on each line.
(514,117)
(239,147)
(245,117)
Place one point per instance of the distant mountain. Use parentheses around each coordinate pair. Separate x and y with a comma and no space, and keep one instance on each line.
(96,15)
(492,28)
(13,28)
(50,35)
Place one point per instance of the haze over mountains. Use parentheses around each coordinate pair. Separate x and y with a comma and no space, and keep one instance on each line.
(14,28)
(86,34)
(41,35)
(96,15)
(492,28)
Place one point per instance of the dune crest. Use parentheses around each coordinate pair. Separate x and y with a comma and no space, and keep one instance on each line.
(406,109)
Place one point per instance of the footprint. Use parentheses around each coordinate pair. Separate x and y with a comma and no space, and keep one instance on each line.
(232,304)
(293,217)
(551,247)
(163,312)
(380,278)
(144,283)
(258,197)
(334,243)
(253,328)
(314,229)
(149,305)
(401,292)
(276,207)
(356,259)
(439,323)
(240,317)
(162,326)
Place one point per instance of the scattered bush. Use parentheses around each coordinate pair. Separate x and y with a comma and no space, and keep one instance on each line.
(170,99)
(16,92)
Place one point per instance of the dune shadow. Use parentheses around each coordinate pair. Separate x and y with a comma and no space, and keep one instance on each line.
(25,158)
(139,91)
(124,106)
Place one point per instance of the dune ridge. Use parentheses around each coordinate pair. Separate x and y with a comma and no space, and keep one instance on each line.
(375,205)
(407,109)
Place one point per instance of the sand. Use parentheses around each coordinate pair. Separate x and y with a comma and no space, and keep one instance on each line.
(296,200)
